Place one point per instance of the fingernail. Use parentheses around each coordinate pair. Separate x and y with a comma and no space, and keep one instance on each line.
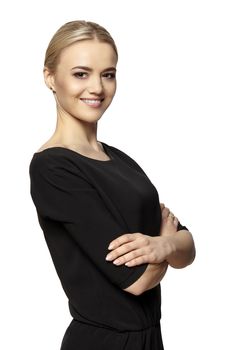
(108,257)
(111,246)
(116,262)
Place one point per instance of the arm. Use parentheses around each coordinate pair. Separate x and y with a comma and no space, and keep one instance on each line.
(172,247)
(183,252)
(182,255)
(152,276)
(180,240)
(128,243)
(154,272)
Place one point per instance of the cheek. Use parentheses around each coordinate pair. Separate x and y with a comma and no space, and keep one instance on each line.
(70,87)
(112,89)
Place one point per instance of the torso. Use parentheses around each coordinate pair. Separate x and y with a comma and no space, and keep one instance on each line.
(117,198)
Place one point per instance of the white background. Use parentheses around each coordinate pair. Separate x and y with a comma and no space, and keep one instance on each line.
(172,114)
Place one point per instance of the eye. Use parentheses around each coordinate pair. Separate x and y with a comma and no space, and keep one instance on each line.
(80,75)
(109,75)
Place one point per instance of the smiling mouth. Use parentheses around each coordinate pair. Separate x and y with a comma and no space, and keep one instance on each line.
(93,102)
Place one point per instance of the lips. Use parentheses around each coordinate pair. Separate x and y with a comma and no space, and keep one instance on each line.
(92,102)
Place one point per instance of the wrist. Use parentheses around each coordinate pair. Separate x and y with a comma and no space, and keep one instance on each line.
(172,247)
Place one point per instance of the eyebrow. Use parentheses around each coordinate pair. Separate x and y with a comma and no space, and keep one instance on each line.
(90,69)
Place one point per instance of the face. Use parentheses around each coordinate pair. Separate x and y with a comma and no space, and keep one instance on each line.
(84,81)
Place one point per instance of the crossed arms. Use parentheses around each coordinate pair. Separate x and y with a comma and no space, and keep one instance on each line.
(171,247)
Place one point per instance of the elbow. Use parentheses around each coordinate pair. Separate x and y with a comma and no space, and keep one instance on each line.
(192,255)
(185,257)
(186,261)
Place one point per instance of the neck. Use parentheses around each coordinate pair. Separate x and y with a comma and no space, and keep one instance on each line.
(71,131)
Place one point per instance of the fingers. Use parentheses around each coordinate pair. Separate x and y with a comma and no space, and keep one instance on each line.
(128,237)
(154,254)
(138,246)
(137,261)
(172,218)
(135,255)
(165,212)
(169,222)
(143,259)
(176,221)
(147,250)
(123,249)
(162,206)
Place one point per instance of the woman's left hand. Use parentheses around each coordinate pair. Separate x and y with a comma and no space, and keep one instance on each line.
(136,249)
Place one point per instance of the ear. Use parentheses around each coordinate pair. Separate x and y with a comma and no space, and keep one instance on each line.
(49,79)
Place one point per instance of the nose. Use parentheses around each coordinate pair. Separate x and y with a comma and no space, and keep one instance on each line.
(95,86)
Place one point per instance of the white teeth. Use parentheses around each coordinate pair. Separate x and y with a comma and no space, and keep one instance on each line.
(92,101)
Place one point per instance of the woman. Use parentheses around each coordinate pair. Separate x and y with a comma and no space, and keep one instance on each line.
(110,239)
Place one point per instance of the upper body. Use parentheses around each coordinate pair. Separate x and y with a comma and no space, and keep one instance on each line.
(83,204)
(80,69)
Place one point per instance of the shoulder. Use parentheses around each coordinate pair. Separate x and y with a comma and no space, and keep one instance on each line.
(120,153)
(52,156)
(56,171)
(127,158)
(54,161)
(46,159)
(115,149)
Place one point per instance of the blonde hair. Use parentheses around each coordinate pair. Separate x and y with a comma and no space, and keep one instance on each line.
(72,32)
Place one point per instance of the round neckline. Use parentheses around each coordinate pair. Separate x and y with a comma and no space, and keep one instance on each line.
(82,155)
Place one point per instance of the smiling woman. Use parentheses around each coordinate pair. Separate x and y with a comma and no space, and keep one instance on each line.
(91,197)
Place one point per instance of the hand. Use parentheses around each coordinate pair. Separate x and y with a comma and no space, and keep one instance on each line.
(169,222)
(136,248)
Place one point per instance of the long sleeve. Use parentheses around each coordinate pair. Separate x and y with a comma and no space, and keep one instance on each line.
(61,193)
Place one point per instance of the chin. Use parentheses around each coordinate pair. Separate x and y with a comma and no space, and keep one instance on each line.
(88,118)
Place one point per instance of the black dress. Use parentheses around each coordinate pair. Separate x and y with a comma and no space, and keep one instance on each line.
(82,205)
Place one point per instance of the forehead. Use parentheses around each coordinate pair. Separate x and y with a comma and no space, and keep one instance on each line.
(88,53)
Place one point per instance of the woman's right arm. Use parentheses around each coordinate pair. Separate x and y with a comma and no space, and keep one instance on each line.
(62,193)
